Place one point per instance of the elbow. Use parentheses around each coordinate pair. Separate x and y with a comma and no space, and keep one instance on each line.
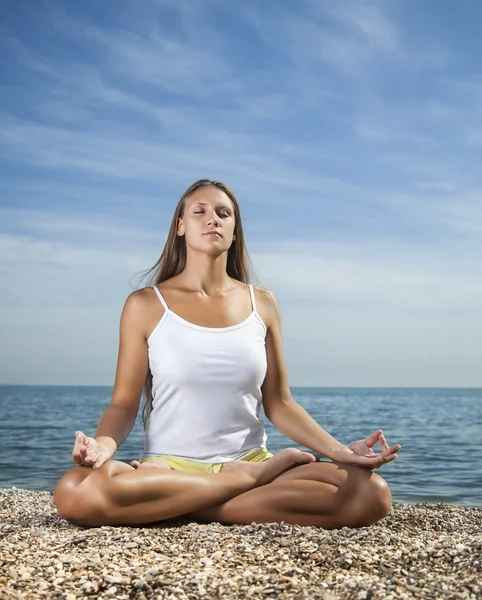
(276,409)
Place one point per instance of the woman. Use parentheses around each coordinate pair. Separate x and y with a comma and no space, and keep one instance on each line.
(207,348)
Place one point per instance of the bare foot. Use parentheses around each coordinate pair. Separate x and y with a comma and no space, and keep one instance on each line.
(265,472)
(149,465)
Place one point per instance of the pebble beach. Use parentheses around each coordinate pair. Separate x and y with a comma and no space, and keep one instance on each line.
(418,551)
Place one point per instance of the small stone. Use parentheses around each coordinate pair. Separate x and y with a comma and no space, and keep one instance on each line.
(66,559)
(113,579)
(139,584)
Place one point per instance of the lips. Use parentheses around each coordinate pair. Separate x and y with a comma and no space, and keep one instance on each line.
(216,233)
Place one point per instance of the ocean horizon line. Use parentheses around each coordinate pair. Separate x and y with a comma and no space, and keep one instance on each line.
(298,387)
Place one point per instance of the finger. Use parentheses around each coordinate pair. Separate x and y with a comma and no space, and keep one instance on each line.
(380,460)
(391,450)
(78,439)
(80,442)
(387,459)
(88,455)
(99,462)
(89,460)
(373,438)
(383,442)
(87,444)
(91,451)
(76,451)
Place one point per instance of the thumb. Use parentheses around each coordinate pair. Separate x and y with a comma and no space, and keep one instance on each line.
(373,438)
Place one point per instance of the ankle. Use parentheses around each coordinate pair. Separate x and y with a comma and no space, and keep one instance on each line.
(249,477)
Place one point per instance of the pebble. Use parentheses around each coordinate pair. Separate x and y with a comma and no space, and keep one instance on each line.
(419,551)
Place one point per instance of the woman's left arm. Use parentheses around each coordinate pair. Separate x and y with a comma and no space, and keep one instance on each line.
(293,420)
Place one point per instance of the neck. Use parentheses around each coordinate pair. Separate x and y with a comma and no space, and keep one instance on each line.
(206,274)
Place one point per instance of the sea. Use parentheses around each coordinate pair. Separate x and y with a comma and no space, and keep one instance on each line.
(440,431)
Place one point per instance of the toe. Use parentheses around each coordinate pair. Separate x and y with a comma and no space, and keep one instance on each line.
(307,457)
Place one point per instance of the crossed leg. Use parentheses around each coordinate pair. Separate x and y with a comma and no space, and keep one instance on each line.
(320,494)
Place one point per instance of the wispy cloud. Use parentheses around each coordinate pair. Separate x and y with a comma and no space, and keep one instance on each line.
(348,37)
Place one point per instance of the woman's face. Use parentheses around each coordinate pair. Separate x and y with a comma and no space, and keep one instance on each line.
(208,221)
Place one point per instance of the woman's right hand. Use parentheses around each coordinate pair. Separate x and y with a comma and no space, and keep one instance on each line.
(88,452)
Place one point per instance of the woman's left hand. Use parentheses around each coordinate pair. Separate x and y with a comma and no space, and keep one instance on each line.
(363,455)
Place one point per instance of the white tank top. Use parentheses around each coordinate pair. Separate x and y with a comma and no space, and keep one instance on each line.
(206,388)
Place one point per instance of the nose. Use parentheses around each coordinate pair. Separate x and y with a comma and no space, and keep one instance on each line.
(213,218)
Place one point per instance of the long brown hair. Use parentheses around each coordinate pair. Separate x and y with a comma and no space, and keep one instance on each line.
(173,260)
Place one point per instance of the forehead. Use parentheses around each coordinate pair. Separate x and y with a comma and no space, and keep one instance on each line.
(208,195)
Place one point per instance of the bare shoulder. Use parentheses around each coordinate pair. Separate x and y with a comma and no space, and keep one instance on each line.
(266,296)
(267,305)
(141,309)
(137,300)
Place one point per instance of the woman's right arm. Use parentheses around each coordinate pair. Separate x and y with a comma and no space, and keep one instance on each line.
(132,367)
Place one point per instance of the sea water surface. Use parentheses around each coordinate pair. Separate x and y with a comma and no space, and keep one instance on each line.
(439,430)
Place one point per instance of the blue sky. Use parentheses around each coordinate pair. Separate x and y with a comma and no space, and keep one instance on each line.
(351,133)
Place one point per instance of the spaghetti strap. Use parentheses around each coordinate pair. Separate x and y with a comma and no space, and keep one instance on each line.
(253,301)
(164,303)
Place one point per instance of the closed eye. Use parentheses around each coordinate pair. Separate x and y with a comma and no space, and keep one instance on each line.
(221,214)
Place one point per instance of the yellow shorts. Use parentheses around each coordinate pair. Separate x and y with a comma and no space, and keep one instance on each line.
(194,466)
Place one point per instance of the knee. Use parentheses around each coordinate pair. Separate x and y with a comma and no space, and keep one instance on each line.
(65,493)
(376,500)
(71,502)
